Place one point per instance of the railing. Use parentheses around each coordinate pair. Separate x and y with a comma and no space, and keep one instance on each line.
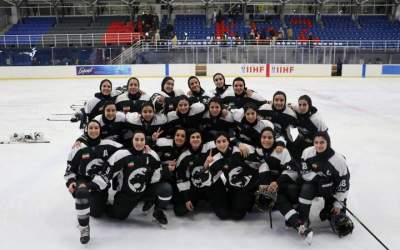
(252,51)
(65,40)
(124,39)
(128,54)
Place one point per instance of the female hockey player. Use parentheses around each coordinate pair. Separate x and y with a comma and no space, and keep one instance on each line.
(240,95)
(283,117)
(194,181)
(165,99)
(169,151)
(326,175)
(185,115)
(152,124)
(196,92)
(132,100)
(87,176)
(112,122)
(138,173)
(248,128)
(309,122)
(278,176)
(220,86)
(94,106)
(234,182)
(216,119)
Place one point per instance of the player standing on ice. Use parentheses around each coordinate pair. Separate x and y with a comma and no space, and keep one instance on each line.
(309,122)
(87,176)
(220,85)
(132,100)
(196,93)
(94,106)
(241,95)
(165,99)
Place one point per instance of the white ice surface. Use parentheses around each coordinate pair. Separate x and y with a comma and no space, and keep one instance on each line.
(37,212)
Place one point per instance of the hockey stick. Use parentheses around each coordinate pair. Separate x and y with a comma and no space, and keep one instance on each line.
(270,218)
(362,224)
(22,142)
(58,120)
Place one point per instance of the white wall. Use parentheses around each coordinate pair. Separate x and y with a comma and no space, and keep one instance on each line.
(352,70)
(181,70)
(186,70)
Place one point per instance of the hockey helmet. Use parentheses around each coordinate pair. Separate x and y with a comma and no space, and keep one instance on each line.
(341,224)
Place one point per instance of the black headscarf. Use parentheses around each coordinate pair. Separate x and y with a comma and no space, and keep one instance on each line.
(328,153)
(164,81)
(279,93)
(89,141)
(107,103)
(100,94)
(201,92)
(240,79)
(311,108)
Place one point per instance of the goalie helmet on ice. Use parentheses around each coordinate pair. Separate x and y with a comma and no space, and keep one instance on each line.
(265,200)
(341,224)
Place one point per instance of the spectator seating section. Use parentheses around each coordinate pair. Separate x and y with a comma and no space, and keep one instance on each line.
(81,29)
(36,27)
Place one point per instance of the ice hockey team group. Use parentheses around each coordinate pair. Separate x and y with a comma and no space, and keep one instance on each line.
(228,148)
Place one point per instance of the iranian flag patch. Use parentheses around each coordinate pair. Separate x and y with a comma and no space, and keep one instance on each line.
(85,156)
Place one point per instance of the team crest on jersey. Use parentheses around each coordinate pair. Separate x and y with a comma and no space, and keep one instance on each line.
(85,156)
(131,164)
(137,180)
(94,166)
(237,179)
(200,178)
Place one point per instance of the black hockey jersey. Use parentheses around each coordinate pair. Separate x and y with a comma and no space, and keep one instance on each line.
(248,133)
(201,97)
(234,101)
(135,121)
(127,102)
(169,100)
(329,170)
(192,119)
(95,105)
(190,172)
(210,126)
(135,170)
(114,129)
(310,123)
(283,120)
(231,168)
(88,164)
(272,166)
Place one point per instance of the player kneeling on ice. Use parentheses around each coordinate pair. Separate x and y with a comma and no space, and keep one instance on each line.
(194,181)
(137,173)
(87,176)
(238,179)
(278,175)
(326,175)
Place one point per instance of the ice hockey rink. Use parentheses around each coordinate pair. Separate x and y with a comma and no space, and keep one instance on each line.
(37,212)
